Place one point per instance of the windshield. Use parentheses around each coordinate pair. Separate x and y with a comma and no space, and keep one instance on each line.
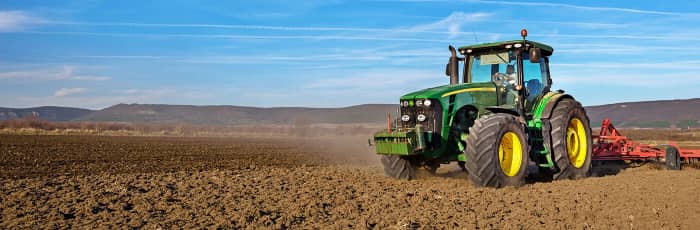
(497,67)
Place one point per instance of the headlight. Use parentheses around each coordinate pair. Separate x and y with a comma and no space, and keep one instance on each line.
(427,102)
(421,117)
(404,103)
(419,102)
(405,118)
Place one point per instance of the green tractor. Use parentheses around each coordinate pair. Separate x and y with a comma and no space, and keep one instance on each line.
(501,118)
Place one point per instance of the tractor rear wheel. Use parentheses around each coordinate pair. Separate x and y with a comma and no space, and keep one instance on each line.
(398,167)
(572,143)
(497,151)
(673,159)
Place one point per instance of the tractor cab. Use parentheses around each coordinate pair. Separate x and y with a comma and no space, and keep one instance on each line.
(519,69)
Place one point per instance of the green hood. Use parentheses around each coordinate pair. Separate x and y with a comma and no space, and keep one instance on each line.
(447,90)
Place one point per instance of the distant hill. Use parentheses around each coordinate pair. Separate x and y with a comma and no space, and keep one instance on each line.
(647,114)
(239,115)
(49,113)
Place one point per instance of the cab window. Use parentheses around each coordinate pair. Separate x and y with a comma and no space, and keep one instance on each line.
(534,77)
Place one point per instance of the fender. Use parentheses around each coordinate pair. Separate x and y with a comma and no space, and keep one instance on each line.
(552,102)
(546,114)
(503,109)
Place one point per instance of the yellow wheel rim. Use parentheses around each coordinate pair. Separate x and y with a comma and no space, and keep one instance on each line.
(576,143)
(510,154)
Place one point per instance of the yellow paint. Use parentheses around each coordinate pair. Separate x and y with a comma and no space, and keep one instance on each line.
(510,154)
(576,143)
(470,90)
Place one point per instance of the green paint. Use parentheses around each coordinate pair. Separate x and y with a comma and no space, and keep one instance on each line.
(462,138)
(437,92)
(480,99)
(462,157)
(395,142)
(536,121)
(549,163)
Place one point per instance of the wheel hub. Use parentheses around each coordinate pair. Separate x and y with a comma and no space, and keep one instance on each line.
(510,154)
(576,143)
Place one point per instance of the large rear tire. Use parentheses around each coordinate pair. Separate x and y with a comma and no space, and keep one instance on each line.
(398,167)
(572,143)
(497,151)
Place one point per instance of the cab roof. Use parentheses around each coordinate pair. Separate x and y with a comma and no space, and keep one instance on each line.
(546,49)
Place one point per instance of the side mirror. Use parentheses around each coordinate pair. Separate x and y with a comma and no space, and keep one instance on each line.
(535,55)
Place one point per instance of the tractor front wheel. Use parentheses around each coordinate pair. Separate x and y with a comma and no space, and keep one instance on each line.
(398,167)
(572,143)
(497,151)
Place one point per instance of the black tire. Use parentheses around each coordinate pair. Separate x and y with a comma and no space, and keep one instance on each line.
(398,167)
(563,116)
(673,159)
(483,164)
(432,168)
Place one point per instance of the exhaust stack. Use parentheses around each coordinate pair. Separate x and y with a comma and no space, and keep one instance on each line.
(453,67)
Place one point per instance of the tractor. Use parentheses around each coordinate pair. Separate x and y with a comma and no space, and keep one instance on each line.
(501,118)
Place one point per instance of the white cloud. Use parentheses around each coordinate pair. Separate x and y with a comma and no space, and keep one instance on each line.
(51,74)
(68,91)
(564,5)
(580,7)
(584,25)
(454,16)
(354,56)
(11,21)
(239,36)
(642,79)
(451,24)
(379,79)
(673,65)
(392,35)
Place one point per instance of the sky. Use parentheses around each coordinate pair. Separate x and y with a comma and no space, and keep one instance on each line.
(95,54)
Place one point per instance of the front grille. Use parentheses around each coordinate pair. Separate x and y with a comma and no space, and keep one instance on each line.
(433,115)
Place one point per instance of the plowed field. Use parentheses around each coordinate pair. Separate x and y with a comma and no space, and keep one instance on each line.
(165,182)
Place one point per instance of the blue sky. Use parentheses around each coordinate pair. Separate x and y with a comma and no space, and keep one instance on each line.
(94,54)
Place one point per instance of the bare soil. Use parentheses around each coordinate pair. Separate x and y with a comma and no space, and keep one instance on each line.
(165,182)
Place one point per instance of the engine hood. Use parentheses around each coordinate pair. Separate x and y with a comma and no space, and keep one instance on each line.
(447,90)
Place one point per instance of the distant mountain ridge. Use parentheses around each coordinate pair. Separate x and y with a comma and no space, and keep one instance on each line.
(48,113)
(646,114)
(649,114)
(239,115)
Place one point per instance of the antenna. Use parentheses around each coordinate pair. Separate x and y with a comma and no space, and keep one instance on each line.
(476,39)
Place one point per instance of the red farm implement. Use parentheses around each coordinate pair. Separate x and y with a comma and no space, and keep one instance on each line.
(611,145)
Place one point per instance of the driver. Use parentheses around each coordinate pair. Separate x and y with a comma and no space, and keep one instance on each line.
(510,74)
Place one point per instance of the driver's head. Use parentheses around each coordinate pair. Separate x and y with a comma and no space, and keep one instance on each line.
(510,69)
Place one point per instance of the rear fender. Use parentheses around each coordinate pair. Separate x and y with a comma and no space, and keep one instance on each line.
(547,111)
(552,102)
